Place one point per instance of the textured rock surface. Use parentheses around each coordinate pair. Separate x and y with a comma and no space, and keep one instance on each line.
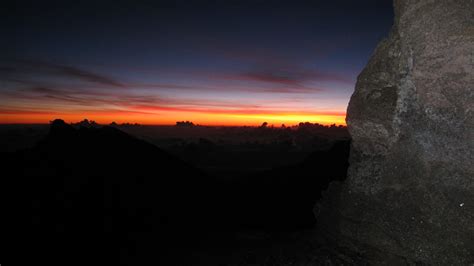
(409,196)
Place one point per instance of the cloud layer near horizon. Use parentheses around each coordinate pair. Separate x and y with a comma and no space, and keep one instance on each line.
(39,88)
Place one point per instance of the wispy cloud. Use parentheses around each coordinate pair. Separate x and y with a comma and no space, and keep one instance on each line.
(235,110)
(42,88)
(291,76)
(22,70)
(123,100)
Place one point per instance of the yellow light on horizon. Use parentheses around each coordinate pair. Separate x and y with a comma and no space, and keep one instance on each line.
(170,118)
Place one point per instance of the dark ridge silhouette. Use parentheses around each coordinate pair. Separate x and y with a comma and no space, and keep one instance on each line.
(98,195)
(100,192)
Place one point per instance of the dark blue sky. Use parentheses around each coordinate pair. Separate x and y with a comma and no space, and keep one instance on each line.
(155,61)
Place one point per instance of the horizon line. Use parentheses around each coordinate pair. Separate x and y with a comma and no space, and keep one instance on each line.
(174,124)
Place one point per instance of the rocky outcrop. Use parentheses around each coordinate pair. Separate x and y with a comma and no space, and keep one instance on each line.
(409,196)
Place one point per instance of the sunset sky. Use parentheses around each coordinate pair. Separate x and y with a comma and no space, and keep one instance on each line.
(210,62)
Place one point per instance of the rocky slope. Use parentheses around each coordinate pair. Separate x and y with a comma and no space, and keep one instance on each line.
(409,196)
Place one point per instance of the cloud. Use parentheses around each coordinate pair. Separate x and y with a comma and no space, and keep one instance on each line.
(18,111)
(47,86)
(23,70)
(99,99)
(50,95)
(278,76)
(46,74)
(291,76)
(85,75)
(39,111)
(297,90)
(126,101)
(237,109)
(43,103)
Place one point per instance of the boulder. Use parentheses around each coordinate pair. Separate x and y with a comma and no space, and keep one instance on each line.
(409,195)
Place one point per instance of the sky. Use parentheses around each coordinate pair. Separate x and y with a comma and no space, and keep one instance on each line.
(211,62)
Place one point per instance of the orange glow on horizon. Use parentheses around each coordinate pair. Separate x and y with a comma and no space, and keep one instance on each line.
(169,118)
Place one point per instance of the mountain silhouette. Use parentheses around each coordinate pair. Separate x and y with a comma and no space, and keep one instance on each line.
(100,193)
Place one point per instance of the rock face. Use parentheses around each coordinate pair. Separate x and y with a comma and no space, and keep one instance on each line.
(409,196)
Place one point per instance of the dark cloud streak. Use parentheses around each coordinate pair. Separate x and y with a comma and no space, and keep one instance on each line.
(292,76)
(21,70)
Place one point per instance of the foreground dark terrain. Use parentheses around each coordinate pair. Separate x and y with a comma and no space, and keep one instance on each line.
(95,193)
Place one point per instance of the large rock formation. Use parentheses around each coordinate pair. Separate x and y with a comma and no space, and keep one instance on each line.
(409,196)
